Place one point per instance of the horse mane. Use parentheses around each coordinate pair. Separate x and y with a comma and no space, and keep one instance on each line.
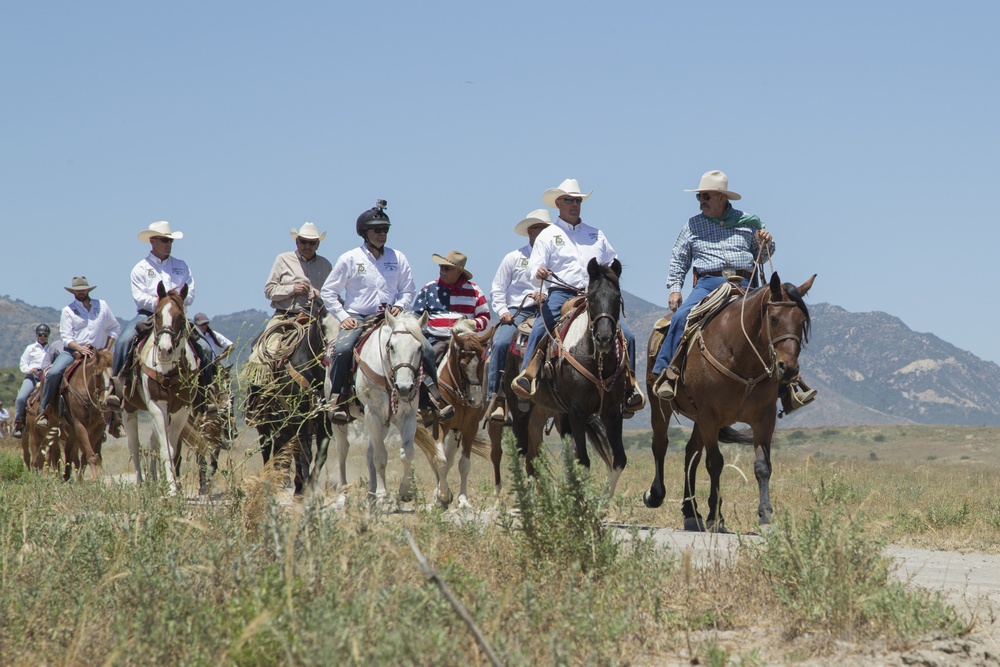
(793,293)
(464,326)
(409,322)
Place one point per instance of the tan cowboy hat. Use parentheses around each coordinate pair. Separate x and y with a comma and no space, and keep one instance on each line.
(568,187)
(537,217)
(715,181)
(80,284)
(161,228)
(453,258)
(308,231)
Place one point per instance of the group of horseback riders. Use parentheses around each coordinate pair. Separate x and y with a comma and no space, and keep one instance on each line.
(720,245)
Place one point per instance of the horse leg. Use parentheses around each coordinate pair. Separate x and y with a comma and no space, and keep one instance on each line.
(303,456)
(407,432)
(378,457)
(446,459)
(172,444)
(660,421)
(525,436)
(83,445)
(323,429)
(578,427)
(495,431)
(714,463)
(689,506)
(131,424)
(607,435)
(763,432)
(343,446)
(465,465)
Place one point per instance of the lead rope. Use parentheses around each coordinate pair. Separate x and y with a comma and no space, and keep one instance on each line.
(769,368)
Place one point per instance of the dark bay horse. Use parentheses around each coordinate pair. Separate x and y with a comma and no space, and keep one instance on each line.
(732,374)
(586,382)
(291,406)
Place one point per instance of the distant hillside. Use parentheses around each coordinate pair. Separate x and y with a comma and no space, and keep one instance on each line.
(869,368)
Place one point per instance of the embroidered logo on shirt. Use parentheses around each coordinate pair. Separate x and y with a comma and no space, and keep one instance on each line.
(390,266)
(151,273)
(522,262)
(593,236)
(558,240)
(361,268)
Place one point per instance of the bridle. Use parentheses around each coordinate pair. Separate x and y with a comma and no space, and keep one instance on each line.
(387,379)
(465,382)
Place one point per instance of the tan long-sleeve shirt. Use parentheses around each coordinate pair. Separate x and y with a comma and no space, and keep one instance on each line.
(289,268)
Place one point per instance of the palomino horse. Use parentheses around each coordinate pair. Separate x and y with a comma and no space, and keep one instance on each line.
(291,405)
(460,379)
(732,374)
(586,382)
(162,382)
(82,424)
(387,385)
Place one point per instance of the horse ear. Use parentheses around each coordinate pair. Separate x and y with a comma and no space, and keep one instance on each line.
(593,268)
(488,335)
(390,320)
(775,285)
(616,267)
(423,320)
(184,291)
(804,287)
(161,291)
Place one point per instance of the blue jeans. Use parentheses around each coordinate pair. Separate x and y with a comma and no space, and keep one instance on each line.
(53,378)
(343,352)
(125,340)
(706,284)
(502,339)
(27,386)
(547,322)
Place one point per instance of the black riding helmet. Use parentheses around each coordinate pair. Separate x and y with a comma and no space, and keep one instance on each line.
(375,216)
(42,330)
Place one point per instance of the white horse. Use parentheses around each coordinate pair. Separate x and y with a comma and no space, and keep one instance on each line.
(163,384)
(387,385)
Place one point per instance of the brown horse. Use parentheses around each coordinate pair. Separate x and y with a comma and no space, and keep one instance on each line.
(82,420)
(732,374)
(461,378)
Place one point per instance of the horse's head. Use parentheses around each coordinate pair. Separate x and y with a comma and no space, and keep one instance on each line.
(170,325)
(788,324)
(467,361)
(604,303)
(403,352)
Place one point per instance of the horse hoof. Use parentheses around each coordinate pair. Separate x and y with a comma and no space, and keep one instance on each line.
(718,528)
(652,500)
(694,525)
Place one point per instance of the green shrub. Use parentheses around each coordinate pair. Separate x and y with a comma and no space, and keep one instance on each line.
(831,576)
(11,467)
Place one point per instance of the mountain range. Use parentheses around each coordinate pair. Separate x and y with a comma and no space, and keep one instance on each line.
(869,368)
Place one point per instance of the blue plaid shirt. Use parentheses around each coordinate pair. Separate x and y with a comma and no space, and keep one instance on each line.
(709,246)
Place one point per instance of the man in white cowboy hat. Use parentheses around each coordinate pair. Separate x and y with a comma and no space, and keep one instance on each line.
(447,300)
(563,250)
(85,326)
(365,281)
(719,243)
(515,298)
(297,277)
(158,266)
(35,360)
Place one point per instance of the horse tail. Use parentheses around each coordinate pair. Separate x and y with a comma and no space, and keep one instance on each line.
(425,441)
(730,434)
(481,447)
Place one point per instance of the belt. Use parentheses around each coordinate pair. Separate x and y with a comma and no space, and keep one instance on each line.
(724,273)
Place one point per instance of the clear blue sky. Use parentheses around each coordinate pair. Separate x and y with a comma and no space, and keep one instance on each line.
(864,135)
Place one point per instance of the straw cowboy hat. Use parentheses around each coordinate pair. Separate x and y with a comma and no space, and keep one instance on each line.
(80,284)
(161,228)
(568,187)
(453,258)
(308,231)
(537,217)
(715,181)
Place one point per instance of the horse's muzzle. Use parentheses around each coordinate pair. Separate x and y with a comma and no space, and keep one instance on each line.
(784,372)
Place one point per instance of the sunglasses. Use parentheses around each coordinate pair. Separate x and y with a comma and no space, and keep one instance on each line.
(41,335)
(571,200)
(380,229)
(162,239)
(307,241)
(703,196)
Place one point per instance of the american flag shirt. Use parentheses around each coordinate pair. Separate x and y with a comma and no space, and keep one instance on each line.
(447,304)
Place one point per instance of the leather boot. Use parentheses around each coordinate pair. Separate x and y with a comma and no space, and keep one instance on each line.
(524,385)
(113,399)
(441,407)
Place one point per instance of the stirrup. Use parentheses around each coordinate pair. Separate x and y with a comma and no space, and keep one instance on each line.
(634,401)
(664,386)
(800,399)
(445,412)
(523,386)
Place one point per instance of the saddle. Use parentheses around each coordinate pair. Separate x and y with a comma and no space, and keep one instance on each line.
(571,310)
(698,319)
(520,340)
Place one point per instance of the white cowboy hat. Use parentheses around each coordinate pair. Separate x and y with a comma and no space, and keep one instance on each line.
(161,228)
(80,284)
(308,231)
(453,258)
(537,217)
(715,181)
(568,187)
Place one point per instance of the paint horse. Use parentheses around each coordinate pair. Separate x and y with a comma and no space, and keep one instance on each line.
(732,373)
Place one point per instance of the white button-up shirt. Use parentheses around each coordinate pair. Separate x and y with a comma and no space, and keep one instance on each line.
(37,356)
(367,283)
(148,273)
(512,282)
(88,327)
(566,250)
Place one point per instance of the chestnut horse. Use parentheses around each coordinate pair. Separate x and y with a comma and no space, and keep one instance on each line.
(82,420)
(732,373)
